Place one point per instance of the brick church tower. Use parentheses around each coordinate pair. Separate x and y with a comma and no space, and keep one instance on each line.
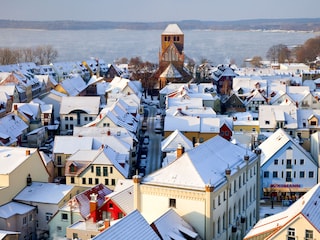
(171,57)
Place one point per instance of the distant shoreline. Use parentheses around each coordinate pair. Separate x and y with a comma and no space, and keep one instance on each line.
(304,25)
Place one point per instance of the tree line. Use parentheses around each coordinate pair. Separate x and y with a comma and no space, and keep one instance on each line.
(280,53)
(40,55)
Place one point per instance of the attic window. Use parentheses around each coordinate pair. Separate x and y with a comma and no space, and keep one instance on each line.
(267,122)
(172,202)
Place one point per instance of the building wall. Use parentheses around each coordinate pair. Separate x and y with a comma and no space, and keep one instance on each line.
(110,180)
(34,166)
(297,224)
(191,204)
(298,184)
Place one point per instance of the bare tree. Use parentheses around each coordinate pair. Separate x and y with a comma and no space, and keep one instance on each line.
(45,54)
(278,53)
(7,56)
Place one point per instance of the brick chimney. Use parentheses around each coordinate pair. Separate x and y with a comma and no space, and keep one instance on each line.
(27,152)
(94,207)
(180,150)
(106,223)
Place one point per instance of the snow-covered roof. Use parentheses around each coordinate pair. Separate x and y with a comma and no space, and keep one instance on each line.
(90,105)
(12,157)
(13,126)
(71,144)
(201,165)
(14,208)
(172,29)
(172,226)
(269,115)
(170,72)
(275,143)
(132,226)
(123,198)
(305,207)
(38,192)
(175,139)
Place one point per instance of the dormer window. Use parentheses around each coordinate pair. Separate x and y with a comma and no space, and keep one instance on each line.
(73,168)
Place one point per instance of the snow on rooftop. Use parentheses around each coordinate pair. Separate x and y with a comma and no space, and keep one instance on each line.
(12,208)
(172,29)
(38,192)
(201,165)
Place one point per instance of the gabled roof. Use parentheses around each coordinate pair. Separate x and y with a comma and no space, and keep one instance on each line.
(276,142)
(73,86)
(123,198)
(306,207)
(201,165)
(171,143)
(83,198)
(12,126)
(38,192)
(269,115)
(132,226)
(170,72)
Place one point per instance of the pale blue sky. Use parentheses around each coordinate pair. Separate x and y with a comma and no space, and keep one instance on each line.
(157,10)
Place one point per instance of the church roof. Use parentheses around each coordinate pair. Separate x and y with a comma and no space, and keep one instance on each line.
(171,72)
(172,29)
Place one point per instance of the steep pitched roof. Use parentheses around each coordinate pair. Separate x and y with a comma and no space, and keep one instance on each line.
(201,165)
(171,72)
(132,226)
(276,142)
(173,140)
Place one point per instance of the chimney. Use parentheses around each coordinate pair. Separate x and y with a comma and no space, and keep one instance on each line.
(108,132)
(106,223)
(15,107)
(180,150)
(29,180)
(94,206)
(27,152)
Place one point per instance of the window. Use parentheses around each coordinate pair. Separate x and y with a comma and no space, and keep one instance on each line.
(309,235)
(274,174)
(267,122)
(66,118)
(219,200)
(83,180)
(311,174)
(291,234)
(92,169)
(24,220)
(59,228)
(301,161)
(59,160)
(105,171)
(98,171)
(90,118)
(90,180)
(96,181)
(301,174)
(74,235)
(266,174)
(48,216)
(113,182)
(172,202)
(86,119)
(64,217)
(110,205)
(71,118)
(72,180)
(106,181)
(111,169)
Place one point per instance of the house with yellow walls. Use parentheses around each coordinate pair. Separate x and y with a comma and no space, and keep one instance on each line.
(87,168)
(18,165)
